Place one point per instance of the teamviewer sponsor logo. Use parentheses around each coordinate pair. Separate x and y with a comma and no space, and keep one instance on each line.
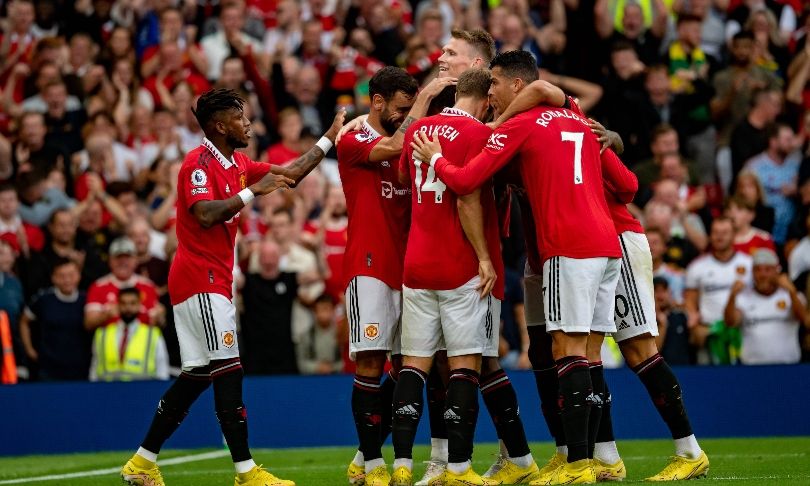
(407,410)
(496,141)
(387,190)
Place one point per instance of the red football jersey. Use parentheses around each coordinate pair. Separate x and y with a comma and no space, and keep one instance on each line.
(563,174)
(204,259)
(377,206)
(439,256)
(755,239)
(622,219)
(104,292)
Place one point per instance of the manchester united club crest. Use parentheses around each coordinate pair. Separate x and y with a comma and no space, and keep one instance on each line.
(740,270)
(372,331)
(227,339)
(781,304)
(242,181)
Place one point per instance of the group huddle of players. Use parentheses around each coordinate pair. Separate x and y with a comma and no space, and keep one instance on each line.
(425,277)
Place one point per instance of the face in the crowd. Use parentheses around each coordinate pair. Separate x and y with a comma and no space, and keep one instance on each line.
(633,21)
(721,236)
(171,24)
(123,266)
(784,142)
(672,168)
(665,143)
(502,90)
(282,227)
(337,198)
(742,51)
(663,297)
(63,228)
(457,56)
(740,216)
(120,42)
(307,85)
(324,314)
(770,105)
(290,127)
(139,234)
(66,278)
(657,85)
(129,305)
(393,111)
(666,192)
(747,188)
(6,257)
(91,218)
(689,33)
(269,256)
(9,203)
(21,16)
(235,126)
(232,19)
(233,73)
(658,246)
(55,96)
(765,278)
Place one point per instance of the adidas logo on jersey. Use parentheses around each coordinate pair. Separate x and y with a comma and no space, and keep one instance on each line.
(407,410)
(449,414)
(622,325)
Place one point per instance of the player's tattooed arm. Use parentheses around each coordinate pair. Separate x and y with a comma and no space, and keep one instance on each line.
(210,213)
(471,216)
(304,164)
(390,147)
(536,93)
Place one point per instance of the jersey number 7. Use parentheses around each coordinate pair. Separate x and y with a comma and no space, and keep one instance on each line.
(432,182)
(575,137)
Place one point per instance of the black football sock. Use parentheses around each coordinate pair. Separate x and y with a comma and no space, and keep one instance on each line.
(386,398)
(605,433)
(436,399)
(597,401)
(173,406)
(461,414)
(367,411)
(665,392)
(406,410)
(501,402)
(545,377)
(231,411)
(575,388)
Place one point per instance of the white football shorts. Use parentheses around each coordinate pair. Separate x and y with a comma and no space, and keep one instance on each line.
(635,303)
(206,329)
(373,309)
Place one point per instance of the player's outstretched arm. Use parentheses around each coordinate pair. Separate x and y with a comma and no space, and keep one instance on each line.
(304,164)
(471,216)
(210,213)
(535,93)
(390,147)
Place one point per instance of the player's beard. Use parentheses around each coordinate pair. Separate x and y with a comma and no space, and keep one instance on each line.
(389,126)
(236,143)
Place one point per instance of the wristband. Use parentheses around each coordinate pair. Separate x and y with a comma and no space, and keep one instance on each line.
(246,195)
(435,157)
(324,144)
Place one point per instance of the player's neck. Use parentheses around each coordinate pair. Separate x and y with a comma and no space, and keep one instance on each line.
(374,121)
(223,147)
(467,105)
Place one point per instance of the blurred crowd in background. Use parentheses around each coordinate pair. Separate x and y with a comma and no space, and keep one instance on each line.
(711,98)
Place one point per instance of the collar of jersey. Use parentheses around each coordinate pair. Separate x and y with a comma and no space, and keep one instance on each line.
(374,134)
(226,164)
(458,112)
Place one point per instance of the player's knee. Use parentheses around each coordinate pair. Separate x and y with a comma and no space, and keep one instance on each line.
(540,348)
(370,363)
(490,365)
(638,349)
(232,414)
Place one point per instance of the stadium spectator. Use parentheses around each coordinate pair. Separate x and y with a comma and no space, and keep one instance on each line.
(217,46)
(289,147)
(709,280)
(747,239)
(684,223)
(749,137)
(777,168)
(318,350)
(673,276)
(129,349)
(769,314)
(52,329)
(799,259)
(643,24)
(12,299)
(679,250)
(149,266)
(22,236)
(33,150)
(269,293)
(673,329)
(40,197)
(749,188)
(102,296)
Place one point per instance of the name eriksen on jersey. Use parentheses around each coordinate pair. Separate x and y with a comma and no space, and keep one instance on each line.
(546,117)
(445,131)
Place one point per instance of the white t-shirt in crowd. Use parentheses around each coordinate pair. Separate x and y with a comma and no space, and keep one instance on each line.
(770,332)
(713,280)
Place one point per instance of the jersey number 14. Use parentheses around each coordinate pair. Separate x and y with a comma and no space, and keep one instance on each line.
(431,184)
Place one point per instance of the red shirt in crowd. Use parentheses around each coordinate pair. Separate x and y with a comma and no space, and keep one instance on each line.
(33,235)
(377,205)
(334,248)
(562,171)
(755,240)
(439,256)
(104,292)
(280,154)
(204,259)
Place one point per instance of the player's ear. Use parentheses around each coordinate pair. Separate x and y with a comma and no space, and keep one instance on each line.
(517,85)
(377,102)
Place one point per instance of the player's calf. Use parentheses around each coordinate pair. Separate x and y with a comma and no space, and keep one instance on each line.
(461,416)
(407,410)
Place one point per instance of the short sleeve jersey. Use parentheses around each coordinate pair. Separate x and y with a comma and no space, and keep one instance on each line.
(439,256)
(378,207)
(204,259)
(770,332)
(104,292)
(713,279)
(562,172)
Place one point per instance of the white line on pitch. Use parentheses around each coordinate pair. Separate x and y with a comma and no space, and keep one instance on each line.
(112,470)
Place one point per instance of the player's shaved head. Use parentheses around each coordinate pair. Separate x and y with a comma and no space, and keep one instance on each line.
(474,83)
(480,40)
(516,64)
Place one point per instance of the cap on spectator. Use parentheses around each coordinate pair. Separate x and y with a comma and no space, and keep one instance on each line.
(765,256)
(122,246)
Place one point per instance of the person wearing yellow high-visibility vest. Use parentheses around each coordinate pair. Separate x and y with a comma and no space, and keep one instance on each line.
(128,349)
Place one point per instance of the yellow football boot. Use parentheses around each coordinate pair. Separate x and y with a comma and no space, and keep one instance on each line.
(141,472)
(511,473)
(609,472)
(682,468)
(259,476)
(577,472)
(557,461)
(356,474)
(378,476)
(402,477)
(467,478)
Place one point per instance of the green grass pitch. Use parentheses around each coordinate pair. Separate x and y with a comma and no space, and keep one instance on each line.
(778,461)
